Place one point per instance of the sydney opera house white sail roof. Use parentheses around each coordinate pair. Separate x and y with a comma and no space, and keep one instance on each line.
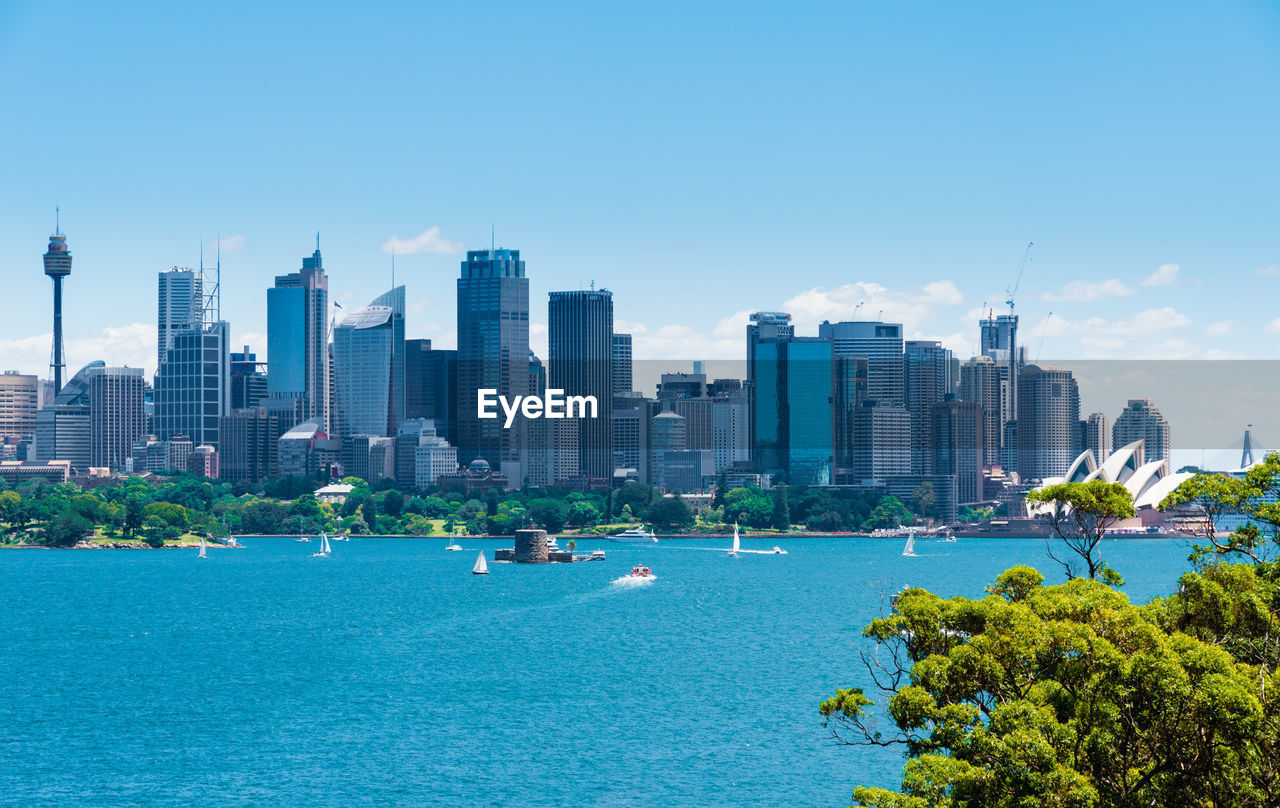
(1148,483)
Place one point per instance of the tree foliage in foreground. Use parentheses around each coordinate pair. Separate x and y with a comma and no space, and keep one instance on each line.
(1080,514)
(1069,695)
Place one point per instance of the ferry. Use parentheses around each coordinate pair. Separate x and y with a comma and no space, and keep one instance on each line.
(641,571)
(635,535)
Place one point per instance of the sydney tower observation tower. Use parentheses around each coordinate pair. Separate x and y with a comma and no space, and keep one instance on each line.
(57,265)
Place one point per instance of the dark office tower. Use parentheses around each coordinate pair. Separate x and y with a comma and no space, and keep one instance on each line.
(926,381)
(493,353)
(248,381)
(297,337)
(1048,409)
(248,449)
(537,376)
(849,392)
(766,326)
(622,376)
(982,382)
(57,265)
(580,362)
(957,442)
(793,409)
(431,386)
(192,389)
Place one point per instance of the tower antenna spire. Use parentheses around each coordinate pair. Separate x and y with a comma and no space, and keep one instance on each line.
(393,267)
(57,220)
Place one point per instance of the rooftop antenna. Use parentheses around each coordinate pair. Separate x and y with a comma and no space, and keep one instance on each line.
(317,241)
(492,240)
(57,220)
(393,267)
(217,285)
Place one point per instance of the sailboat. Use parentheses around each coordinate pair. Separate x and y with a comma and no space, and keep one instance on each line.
(202,548)
(324,547)
(737,544)
(910,549)
(481,567)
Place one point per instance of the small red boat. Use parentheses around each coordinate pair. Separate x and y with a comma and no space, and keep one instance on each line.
(641,571)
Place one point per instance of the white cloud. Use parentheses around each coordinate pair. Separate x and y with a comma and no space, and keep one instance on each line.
(1272,327)
(914,308)
(1166,275)
(1085,291)
(133,345)
(1222,328)
(944,292)
(1272,271)
(428,241)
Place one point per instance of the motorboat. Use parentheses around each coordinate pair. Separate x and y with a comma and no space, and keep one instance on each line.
(635,535)
(777,550)
(641,571)
(553,546)
(597,555)
(341,537)
(303,540)
(949,537)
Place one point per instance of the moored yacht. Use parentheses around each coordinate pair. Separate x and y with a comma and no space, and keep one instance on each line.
(635,535)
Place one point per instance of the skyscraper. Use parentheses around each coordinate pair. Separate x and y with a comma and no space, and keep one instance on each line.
(431,386)
(180,306)
(1094,436)
(622,376)
(394,299)
(493,353)
(363,371)
(766,326)
(958,445)
(927,381)
(1048,409)
(63,428)
(580,361)
(57,265)
(19,401)
(1142,420)
(249,385)
(982,382)
(881,345)
(999,337)
(117,416)
(793,415)
(297,337)
(192,385)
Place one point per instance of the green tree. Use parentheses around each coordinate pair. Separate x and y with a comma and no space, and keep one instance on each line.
(133,515)
(548,512)
(670,512)
(1059,696)
(67,528)
(781,516)
(1198,505)
(1080,514)
(924,497)
(887,514)
(13,511)
(393,503)
(722,488)
(583,514)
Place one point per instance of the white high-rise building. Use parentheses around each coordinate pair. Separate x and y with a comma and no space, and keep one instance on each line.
(180,306)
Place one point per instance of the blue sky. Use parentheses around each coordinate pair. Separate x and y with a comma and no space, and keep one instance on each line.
(701,162)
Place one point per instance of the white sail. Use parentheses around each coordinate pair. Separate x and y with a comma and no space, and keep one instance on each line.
(202,547)
(481,567)
(736,541)
(909,550)
(324,543)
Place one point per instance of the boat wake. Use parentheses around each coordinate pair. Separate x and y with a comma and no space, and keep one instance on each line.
(634,580)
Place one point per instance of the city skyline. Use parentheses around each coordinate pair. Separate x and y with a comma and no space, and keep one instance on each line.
(1145,183)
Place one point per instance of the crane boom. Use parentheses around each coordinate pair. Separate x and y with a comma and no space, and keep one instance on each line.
(1022,266)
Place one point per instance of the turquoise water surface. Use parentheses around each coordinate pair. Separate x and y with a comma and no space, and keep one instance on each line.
(389,675)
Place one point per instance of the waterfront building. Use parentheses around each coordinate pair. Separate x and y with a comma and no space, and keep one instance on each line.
(367,377)
(848,393)
(792,414)
(580,362)
(958,446)
(249,448)
(192,386)
(63,429)
(297,337)
(57,266)
(1142,420)
(1048,411)
(16,472)
(882,441)
(19,401)
(730,431)
(927,381)
(622,374)
(493,353)
(180,307)
(117,414)
(1148,480)
(687,469)
(431,385)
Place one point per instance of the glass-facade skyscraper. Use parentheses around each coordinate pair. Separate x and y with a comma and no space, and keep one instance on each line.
(192,386)
(580,358)
(364,367)
(297,338)
(493,353)
(793,414)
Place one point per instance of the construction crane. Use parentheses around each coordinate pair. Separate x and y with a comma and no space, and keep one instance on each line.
(1022,266)
(1044,333)
(857,309)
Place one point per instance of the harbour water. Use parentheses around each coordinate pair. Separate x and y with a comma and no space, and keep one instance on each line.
(388,674)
